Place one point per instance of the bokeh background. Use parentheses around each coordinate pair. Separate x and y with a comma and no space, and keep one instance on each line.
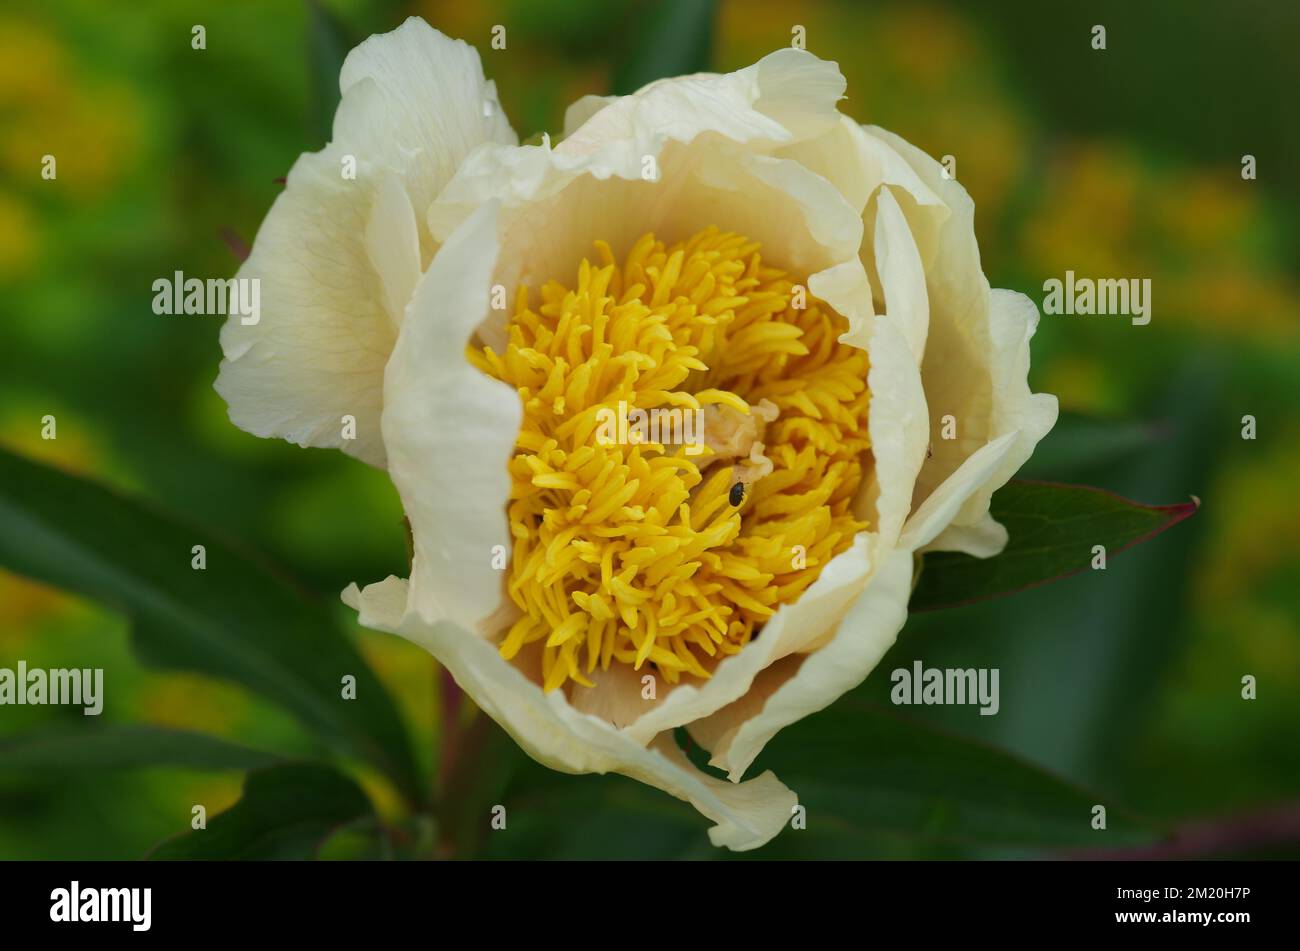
(1119,163)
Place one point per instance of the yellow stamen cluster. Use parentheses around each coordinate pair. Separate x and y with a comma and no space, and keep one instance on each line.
(635,553)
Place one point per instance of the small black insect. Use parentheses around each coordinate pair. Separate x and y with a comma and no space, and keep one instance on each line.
(737,494)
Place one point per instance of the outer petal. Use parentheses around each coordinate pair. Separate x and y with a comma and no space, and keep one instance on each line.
(936,513)
(554,206)
(675,157)
(901,273)
(898,428)
(787,96)
(976,364)
(858,164)
(736,735)
(413,107)
(795,629)
(1017,413)
(554,733)
(450,432)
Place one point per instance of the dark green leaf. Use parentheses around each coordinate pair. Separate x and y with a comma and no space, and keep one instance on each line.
(285,813)
(668,38)
(127,747)
(858,767)
(1053,529)
(236,619)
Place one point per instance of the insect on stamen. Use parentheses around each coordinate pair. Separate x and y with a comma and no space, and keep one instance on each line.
(737,494)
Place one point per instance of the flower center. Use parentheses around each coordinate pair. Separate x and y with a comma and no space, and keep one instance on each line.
(693,437)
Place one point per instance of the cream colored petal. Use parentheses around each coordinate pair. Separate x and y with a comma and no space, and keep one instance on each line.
(748,814)
(318,352)
(794,628)
(555,734)
(450,432)
(437,106)
(583,109)
(867,632)
(755,194)
(899,430)
(380,606)
(984,539)
(976,360)
(1026,417)
(846,288)
(940,508)
(901,273)
(675,157)
(393,246)
(858,163)
(786,96)
(617,694)
(717,729)
(555,207)
(412,108)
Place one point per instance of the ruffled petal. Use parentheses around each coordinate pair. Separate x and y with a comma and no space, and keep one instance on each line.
(939,509)
(796,628)
(393,246)
(976,362)
(1018,414)
(554,206)
(787,96)
(550,730)
(899,429)
(450,432)
(736,735)
(414,104)
(901,273)
(858,164)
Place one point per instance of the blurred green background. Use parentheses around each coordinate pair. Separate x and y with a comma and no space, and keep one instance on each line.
(1119,163)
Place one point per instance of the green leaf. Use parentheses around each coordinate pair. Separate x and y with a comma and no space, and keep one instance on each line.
(1052,529)
(285,813)
(668,38)
(236,619)
(128,747)
(859,767)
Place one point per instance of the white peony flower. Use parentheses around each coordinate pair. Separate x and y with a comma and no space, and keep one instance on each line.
(725,243)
